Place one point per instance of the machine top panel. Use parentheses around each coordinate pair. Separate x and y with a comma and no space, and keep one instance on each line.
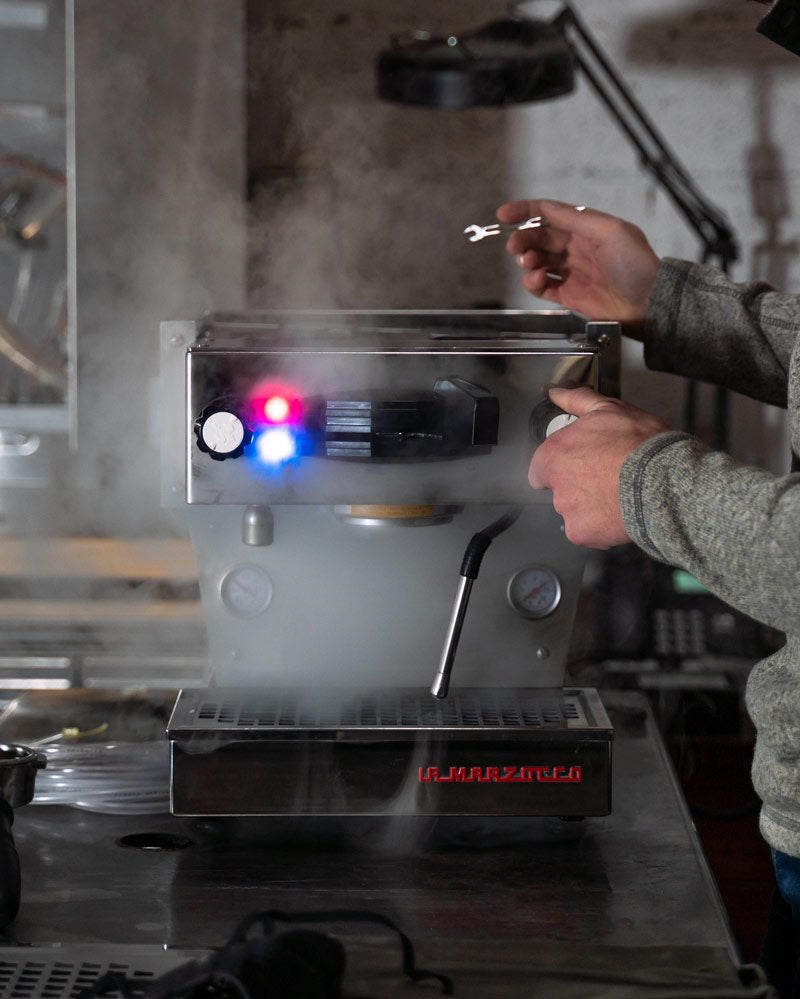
(374,407)
(393,331)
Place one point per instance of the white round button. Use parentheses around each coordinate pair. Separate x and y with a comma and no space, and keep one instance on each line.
(223,432)
(559,422)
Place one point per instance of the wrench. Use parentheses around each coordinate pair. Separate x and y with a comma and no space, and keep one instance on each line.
(479,232)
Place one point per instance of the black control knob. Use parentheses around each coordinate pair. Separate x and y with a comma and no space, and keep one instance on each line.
(222,431)
(546,419)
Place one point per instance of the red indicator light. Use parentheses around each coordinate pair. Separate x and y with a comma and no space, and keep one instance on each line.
(275,405)
(277,409)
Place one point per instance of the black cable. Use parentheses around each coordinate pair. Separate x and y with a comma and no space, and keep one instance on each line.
(345,916)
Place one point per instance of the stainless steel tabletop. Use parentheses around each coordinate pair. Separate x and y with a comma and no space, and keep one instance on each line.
(634,879)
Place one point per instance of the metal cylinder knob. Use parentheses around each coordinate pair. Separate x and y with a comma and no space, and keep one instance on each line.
(258,526)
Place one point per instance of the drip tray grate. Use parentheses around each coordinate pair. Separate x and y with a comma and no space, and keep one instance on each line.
(64,972)
(282,710)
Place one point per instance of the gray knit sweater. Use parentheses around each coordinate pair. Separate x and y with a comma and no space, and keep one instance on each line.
(735,528)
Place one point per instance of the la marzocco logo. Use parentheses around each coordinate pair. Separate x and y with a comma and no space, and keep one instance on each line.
(501,775)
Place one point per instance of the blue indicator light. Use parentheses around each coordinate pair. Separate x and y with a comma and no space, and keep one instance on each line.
(275,446)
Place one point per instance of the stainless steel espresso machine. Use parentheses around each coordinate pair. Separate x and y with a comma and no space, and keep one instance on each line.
(389,604)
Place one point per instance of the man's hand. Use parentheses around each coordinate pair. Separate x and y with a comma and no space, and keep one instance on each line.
(585,260)
(582,462)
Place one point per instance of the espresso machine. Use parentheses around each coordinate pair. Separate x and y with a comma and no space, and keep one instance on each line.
(389,604)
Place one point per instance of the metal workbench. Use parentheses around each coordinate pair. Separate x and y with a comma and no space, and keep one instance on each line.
(510,897)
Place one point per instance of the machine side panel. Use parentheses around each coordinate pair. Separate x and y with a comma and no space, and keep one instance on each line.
(480,777)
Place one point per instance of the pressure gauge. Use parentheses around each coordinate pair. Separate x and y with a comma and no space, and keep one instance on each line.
(246,590)
(534,591)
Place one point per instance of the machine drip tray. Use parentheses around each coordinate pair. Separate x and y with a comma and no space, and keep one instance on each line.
(501,751)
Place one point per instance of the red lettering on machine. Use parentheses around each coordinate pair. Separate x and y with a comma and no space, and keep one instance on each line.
(501,775)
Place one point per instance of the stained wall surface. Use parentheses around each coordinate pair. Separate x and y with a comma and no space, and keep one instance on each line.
(235,154)
(726,101)
(357,203)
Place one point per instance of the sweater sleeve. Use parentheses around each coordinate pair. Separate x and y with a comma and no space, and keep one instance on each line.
(734,527)
(703,326)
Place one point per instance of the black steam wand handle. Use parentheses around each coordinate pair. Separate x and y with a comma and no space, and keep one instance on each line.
(10,883)
(470,566)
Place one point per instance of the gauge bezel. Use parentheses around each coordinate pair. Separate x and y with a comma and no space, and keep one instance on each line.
(519,607)
(229,603)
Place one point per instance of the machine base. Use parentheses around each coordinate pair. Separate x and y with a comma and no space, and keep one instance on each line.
(506,751)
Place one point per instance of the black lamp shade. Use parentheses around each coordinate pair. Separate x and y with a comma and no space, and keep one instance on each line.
(506,62)
(782,25)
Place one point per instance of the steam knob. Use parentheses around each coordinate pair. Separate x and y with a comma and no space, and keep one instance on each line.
(546,419)
(222,432)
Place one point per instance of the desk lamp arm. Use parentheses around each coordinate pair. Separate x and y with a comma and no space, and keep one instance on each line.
(709,223)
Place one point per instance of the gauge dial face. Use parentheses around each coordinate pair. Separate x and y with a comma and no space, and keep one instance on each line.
(534,591)
(246,590)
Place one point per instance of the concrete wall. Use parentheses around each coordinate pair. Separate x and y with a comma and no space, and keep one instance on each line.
(356,203)
(157,91)
(726,101)
(159,176)
(351,202)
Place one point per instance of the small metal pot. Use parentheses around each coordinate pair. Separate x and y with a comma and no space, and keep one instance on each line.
(18,766)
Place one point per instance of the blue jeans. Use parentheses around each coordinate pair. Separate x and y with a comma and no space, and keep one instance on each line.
(787,875)
(780,953)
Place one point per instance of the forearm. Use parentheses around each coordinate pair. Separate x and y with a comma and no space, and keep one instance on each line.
(735,528)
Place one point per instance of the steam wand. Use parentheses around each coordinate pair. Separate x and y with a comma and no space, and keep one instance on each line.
(470,566)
